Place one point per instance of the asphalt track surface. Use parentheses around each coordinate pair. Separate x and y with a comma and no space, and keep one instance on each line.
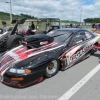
(54,88)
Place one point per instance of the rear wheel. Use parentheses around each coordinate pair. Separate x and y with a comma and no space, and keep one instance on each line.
(14,41)
(52,68)
(93,50)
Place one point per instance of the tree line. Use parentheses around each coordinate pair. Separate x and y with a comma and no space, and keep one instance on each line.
(4,15)
(92,20)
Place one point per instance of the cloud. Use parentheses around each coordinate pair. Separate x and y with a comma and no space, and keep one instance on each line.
(63,9)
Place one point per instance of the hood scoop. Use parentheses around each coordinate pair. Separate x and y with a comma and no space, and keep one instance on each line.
(38,40)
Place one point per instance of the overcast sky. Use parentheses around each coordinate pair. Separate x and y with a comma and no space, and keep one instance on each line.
(63,9)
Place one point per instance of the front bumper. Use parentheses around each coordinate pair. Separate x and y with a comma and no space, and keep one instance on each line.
(18,85)
(28,80)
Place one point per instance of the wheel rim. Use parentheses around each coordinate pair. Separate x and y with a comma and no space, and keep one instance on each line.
(52,67)
(17,43)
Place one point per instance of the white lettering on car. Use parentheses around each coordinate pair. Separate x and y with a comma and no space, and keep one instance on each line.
(80,53)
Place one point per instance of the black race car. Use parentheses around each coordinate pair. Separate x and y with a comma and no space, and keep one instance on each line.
(12,37)
(44,55)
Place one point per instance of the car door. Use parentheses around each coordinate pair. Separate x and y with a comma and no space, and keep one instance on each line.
(80,44)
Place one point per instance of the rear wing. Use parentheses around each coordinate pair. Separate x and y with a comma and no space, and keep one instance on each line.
(19,21)
(16,22)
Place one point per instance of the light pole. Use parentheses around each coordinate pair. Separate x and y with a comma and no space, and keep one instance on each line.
(10,10)
(99,18)
(80,15)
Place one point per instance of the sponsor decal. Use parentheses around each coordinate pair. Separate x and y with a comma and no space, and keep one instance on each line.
(87,35)
(80,53)
(44,42)
(79,41)
(51,32)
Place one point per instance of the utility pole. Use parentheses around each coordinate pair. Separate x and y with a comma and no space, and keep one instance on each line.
(80,15)
(99,18)
(10,10)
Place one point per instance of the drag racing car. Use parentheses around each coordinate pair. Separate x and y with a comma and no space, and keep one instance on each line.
(12,37)
(42,56)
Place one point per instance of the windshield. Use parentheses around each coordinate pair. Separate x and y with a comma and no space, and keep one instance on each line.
(61,39)
(60,36)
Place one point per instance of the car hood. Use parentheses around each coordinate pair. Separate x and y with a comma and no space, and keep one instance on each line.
(21,56)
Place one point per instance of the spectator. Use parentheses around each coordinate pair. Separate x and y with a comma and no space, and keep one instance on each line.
(71,25)
(4,24)
(99,26)
(32,26)
(93,25)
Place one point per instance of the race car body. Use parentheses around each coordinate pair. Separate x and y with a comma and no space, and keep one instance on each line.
(43,55)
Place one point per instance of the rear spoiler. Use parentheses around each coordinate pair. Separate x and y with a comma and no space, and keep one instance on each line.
(16,22)
(19,21)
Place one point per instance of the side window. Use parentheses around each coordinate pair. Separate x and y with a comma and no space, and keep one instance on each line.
(82,34)
(61,38)
(78,38)
(89,34)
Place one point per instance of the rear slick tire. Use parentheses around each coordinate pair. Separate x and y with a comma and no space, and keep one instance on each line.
(14,41)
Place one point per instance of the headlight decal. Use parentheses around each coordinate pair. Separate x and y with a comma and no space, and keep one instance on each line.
(12,70)
(19,71)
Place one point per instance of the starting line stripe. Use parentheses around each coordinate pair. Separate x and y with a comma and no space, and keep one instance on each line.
(78,85)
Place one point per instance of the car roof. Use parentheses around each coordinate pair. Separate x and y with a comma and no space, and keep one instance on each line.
(62,31)
(71,29)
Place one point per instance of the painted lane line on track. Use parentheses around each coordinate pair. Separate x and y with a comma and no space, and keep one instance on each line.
(78,85)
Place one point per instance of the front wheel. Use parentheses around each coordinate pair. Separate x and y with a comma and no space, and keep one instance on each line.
(52,68)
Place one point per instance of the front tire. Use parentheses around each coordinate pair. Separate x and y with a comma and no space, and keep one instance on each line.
(52,68)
